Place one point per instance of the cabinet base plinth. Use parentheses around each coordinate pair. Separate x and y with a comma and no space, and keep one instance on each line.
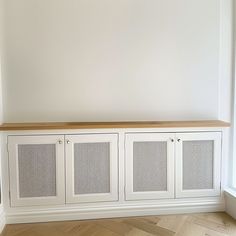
(74,213)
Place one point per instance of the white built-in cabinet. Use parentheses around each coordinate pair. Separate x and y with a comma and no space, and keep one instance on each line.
(84,168)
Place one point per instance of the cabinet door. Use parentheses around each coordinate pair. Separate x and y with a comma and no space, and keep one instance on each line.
(198,159)
(92,168)
(36,165)
(149,165)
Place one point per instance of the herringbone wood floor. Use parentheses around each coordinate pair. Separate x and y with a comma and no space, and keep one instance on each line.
(210,224)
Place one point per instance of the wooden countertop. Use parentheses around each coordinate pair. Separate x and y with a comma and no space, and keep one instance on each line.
(105,125)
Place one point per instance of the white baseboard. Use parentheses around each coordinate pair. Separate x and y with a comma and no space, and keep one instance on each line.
(230,199)
(2,219)
(73,213)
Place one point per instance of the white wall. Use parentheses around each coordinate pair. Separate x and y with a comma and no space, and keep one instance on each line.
(2,214)
(1,55)
(111,60)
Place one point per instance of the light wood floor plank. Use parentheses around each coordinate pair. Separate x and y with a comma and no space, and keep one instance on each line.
(207,224)
(146,226)
(172,222)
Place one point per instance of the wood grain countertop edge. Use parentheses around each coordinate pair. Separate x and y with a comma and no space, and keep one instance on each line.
(112,125)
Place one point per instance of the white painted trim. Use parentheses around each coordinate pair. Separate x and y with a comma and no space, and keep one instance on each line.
(121,177)
(113,130)
(112,139)
(130,138)
(232,163)
(225,59)
(227,88)
(225,167)
(231,191)
(72,213)
(5,173)
(2,213)
(215,191)
(2,219)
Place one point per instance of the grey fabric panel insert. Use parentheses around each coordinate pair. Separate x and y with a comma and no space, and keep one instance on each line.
(198,164)
(92,168)
(149,166)
(37,170)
